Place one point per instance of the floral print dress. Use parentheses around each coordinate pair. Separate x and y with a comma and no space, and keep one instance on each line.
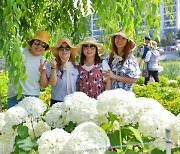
(129,68)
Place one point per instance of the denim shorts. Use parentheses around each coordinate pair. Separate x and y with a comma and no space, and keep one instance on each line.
(13,100)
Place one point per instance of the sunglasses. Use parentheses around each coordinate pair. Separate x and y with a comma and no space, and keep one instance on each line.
(61,48)
(43,45)
(91,46)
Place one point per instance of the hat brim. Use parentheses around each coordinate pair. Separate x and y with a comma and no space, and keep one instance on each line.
(31,41)
(99,46)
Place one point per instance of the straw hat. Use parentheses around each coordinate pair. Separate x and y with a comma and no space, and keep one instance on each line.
(41,35)
(90,40)
(59,43)
(122,33)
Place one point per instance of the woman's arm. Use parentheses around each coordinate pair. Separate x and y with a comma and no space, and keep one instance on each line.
(53,76)
(107,84)
(124,79)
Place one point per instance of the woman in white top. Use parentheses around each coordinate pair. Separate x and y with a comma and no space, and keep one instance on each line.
(90,80)
(61,72)
(152,61)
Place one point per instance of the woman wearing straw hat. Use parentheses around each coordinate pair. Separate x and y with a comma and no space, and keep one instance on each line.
(34,62)
(61,72)
(152,60)
(125,69)
(90,80)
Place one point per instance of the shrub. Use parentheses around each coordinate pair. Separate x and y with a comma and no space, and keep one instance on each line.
(172,83)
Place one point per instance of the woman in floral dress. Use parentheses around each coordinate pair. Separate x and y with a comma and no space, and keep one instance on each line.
(91,80)
(125,69)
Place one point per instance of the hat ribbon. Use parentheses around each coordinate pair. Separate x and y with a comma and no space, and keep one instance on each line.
(69,80)
(116,58)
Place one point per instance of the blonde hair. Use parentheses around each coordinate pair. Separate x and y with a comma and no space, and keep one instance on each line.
(153,44)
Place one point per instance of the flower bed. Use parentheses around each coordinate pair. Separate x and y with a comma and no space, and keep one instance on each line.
(81,124)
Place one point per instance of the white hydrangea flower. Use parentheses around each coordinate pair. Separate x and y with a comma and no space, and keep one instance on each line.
(2,122)
(36,128)
(14,116)
(79,108)
(52,141)
(147,104)
(54,117)
(87,138)
(119,102)
(7,143)
(153,123)
(175,130)
(34,106)
(158,143)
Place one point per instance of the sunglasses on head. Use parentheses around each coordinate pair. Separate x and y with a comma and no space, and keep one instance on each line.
(91,46)
(67,48)
(38,42)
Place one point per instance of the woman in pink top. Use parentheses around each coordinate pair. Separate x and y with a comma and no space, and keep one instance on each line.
(90,80)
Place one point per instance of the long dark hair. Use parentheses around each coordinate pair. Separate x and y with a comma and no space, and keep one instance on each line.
(126,50)
(97,59)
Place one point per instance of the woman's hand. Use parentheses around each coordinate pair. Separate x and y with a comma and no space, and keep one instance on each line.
(109,74)
(53,63)
(42,68)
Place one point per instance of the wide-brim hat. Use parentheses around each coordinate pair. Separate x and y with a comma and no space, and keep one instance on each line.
(41,35)
(54,49)
(90,40)
(122,33)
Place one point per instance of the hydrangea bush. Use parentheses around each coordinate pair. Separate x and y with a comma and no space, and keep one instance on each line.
(115,115)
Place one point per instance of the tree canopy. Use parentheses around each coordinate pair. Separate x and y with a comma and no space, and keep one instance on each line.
(19,19)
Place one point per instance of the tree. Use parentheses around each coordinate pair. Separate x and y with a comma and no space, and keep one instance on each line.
(167,40)
(19,19)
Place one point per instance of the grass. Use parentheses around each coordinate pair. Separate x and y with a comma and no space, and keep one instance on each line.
(171,69)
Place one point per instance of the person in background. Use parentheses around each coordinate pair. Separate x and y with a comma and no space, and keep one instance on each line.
(91,67)
(61,72)
(152,60)
(147,47)
(125,69)
(34,63)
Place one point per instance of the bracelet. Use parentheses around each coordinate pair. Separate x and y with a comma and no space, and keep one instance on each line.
(53,68)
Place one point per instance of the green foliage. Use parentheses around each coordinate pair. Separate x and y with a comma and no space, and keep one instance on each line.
(172,83)
(3,89)
(171,69)
(178,80)
(23,143)
(45,95)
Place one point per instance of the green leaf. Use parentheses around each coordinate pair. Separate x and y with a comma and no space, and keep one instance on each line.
(157,151)
(137,135)
(107,127)
(27,144)
(1,44)
(70,127)
(112,117)
(114,138)
(23,131)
